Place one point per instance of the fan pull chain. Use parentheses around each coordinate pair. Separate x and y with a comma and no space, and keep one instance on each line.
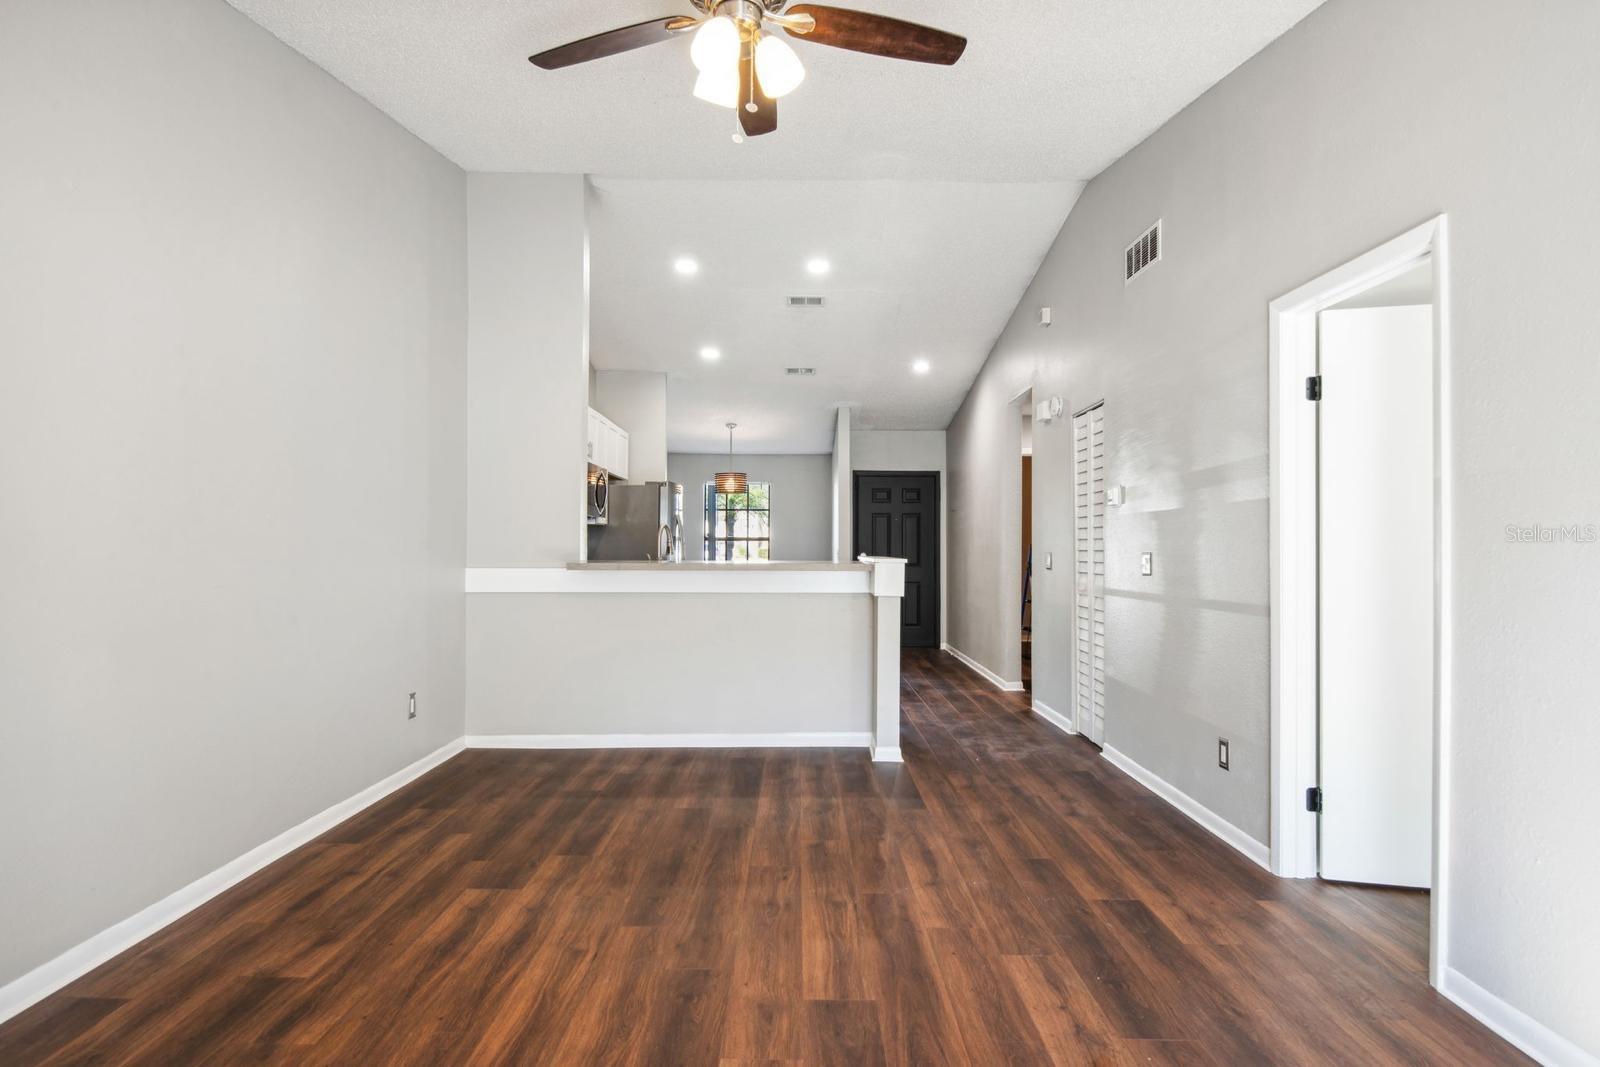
(755,80)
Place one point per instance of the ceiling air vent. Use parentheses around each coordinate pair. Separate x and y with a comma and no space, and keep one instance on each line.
(1143,252)
(800,372)
(805,301)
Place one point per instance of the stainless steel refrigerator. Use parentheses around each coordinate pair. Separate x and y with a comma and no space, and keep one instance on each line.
(642,522)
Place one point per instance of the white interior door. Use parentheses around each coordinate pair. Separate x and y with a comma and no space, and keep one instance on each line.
(1089,528)
(1375,595)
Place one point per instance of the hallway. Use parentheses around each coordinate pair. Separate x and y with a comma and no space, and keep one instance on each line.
(1006,896)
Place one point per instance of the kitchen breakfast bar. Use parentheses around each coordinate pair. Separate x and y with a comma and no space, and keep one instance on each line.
(686,655)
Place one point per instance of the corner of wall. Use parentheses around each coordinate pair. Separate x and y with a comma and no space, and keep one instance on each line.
(842,479)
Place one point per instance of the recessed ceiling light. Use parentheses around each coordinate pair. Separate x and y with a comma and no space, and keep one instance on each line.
(686,265)
(711,353)
(818,266)
(921,366)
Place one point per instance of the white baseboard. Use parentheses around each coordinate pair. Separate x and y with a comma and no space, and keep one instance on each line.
(988,675)
(1532,1037)
(791,740)
(1053,717)
(884,754)
(50,976)
(1252,849)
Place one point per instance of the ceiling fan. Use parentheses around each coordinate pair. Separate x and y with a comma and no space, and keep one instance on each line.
(746,69)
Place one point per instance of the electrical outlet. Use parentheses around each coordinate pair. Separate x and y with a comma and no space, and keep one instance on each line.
(1147,563)
(1222,752)
(411,709)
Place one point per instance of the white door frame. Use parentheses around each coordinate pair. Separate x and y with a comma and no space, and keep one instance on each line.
(1292,346)
(1011,531)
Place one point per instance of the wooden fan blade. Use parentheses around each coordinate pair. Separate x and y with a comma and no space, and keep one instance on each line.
(611,42)
(877,35)
(764,119)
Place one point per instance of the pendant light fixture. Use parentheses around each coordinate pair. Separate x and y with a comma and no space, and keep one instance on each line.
(731,481)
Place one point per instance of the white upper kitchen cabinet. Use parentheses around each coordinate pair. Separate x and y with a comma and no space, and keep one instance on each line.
(608,445)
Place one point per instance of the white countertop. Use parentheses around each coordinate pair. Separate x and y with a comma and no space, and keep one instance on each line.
(752,567)
(870,575)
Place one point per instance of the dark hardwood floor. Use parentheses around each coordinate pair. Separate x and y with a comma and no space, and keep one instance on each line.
(1004,897)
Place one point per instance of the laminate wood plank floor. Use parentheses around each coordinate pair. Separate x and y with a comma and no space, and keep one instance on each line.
(1004,897)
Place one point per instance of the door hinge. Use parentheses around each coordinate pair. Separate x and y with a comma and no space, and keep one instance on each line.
(1314,387)
(1314,798)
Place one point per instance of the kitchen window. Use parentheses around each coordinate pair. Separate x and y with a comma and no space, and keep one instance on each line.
(739,525)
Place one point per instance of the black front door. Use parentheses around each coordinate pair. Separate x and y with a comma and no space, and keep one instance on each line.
(898,515)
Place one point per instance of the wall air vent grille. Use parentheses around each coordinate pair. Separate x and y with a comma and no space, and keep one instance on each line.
(1143,252)
(801,372)
(805,301)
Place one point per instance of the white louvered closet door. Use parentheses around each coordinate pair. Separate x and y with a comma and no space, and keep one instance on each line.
(1089,511)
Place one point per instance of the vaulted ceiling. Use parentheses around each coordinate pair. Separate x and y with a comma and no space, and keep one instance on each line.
(1048,90)
(918,270)
(933,191)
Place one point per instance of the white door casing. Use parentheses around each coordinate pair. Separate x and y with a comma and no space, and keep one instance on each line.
(1375,606)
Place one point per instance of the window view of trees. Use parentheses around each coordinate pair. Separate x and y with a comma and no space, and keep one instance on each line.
(739,525)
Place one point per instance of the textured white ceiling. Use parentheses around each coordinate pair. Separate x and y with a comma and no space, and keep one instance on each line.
(934,190)
(1048,90)
(929,269)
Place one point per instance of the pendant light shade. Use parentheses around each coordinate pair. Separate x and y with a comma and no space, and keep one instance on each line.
(732,481)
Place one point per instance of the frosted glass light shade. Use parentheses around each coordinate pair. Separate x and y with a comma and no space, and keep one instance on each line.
(720,87)
(715,45)
(777,67)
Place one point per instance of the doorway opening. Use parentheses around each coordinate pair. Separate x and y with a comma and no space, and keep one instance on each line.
(1026,614)
(1360,573)
(897,514)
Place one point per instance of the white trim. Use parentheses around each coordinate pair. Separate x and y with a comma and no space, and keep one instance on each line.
(1009,479)
(978,668)
(884,754)
(1444,598)
(1252,849)
(1291,328)
(888,575)
(1529,1035)
(79,960)
(735,578)
(789,740)
(1053,717)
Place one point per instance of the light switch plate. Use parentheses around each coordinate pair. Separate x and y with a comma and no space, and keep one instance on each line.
(1049,560)
(1147,563)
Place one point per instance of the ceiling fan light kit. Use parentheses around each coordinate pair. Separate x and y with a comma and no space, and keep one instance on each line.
(743,66)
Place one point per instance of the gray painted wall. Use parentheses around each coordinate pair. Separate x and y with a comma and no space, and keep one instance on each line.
(1365,120)
(636,400)
(656,663)
(840,536)
(528,378)
(232,453)
(802,500)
